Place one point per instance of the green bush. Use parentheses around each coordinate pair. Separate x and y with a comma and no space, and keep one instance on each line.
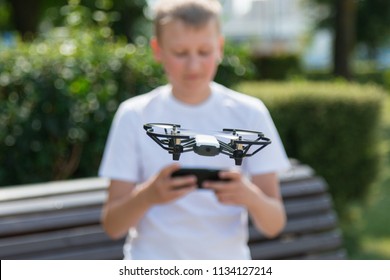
(58,96)
(386,79)
(333,127)
(277,67)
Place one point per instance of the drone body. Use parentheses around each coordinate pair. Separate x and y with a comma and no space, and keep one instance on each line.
(177,141)
(206,145)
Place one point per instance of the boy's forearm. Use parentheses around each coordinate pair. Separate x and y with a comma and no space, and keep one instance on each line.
(268,214)
(124,213)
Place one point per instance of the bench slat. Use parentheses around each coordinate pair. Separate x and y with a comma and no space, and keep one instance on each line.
(49,221)
(276,249)
(339,254)
(301,206)
(52,188)
(297,171)
(53,240)
(302,226)
(53,203)
(104,251)
(309,186)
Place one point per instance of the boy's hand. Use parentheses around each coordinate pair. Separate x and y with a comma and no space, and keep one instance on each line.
(162,188)
(237,190)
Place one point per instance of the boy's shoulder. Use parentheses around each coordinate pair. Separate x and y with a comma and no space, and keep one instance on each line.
(141,101)
(238,98)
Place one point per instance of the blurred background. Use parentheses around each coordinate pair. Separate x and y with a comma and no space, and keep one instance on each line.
(321,66)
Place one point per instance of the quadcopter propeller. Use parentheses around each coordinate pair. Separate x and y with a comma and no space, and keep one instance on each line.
(161,125)
(227,136)
(242,132)
(169,129)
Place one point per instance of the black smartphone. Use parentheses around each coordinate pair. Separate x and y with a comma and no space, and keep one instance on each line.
(201,174)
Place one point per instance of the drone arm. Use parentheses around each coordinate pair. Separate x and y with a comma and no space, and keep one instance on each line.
(190,143)
(226,149)
(254,152)
(264,143)
(159,142)
(187,145)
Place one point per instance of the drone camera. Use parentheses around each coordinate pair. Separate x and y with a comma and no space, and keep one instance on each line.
(206,145)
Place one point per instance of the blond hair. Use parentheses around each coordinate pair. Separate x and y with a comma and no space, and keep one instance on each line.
(194,13)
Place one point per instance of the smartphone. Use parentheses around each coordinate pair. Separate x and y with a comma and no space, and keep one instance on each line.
(201,174)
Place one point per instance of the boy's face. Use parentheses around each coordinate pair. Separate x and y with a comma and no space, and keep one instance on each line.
(190,56)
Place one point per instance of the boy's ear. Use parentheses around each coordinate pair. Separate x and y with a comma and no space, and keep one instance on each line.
(156,49)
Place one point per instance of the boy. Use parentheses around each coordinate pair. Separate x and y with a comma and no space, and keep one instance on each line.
(164,221)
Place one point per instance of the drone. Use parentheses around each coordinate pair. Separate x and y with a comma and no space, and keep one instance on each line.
(176,140)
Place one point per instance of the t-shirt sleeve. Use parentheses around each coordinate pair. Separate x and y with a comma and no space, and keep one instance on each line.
(272,158)
(120,156)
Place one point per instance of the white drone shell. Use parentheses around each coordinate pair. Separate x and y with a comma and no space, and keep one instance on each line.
(206,145)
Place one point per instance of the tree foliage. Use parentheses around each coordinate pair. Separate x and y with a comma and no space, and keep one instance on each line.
(373,23)
(28,17)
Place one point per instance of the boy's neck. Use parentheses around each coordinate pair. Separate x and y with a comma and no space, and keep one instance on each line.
(192,97)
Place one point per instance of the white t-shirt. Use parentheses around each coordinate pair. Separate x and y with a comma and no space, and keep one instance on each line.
(196,226)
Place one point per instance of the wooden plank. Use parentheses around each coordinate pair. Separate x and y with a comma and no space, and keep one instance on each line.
(339,254)
(303,187)
(52,188)
(311,224)
(109,252)
(293,248)
(297,171)
(302,206)
(300,226)
(105,251)
(52,203)
(53,220)
(52,240)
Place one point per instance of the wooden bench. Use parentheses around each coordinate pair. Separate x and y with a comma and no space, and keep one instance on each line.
(60,220)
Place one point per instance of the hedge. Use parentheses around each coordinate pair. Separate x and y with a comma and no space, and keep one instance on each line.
(331,126)
(58,96)
(277,67)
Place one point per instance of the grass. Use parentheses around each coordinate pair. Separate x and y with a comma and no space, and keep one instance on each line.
(372,227)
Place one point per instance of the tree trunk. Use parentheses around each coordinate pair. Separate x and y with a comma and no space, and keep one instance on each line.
(25,17)
(344,41)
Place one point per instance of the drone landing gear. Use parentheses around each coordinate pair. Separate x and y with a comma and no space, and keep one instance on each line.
(176,151)
(238,155)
